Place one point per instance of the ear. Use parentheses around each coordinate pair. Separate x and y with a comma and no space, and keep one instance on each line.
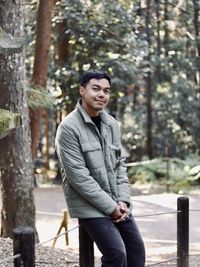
(81,90)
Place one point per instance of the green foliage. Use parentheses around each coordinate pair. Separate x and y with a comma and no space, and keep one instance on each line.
(98,35)
(8,120)
(40,97)
(9,43)
(175,90)
(172,172)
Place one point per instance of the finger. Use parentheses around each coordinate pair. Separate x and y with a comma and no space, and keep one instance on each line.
(124,210)
(121,219)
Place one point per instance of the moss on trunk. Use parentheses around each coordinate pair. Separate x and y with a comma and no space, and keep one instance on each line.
(8,121)
(9,43)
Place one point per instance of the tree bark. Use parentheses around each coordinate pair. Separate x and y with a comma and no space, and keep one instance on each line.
(16,169)
(40,68)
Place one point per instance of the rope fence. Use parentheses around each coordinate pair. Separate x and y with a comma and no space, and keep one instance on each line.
(56,237)
(11,258)
(157,214)
(161,262)
(24,240)
(195,210)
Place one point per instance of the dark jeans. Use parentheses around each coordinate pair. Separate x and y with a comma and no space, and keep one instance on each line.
(120,243)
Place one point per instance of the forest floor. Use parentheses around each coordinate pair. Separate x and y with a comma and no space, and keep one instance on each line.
(158,231)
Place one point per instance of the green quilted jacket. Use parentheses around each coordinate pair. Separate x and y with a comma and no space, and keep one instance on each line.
(93,164)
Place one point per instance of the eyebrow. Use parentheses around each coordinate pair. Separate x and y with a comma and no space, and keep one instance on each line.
(97,85)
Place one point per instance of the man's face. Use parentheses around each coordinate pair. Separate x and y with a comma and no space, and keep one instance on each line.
(95,96)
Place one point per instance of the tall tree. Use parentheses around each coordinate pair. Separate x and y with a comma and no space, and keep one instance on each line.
(197,36)
(149,82)
(158,37)
(40,68)
(17,185)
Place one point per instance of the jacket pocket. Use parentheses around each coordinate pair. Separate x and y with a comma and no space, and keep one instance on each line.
(115,154)
(92,153)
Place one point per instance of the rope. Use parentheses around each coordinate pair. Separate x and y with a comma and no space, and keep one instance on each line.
(146,215)
(145,162)
(131,164)
(161,262)
(49,213)
(42,243)
(10,258)
(194,210)
(195,254)
(156,214)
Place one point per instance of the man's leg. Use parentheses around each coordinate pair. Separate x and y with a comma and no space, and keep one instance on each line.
(108,239)
(133,242)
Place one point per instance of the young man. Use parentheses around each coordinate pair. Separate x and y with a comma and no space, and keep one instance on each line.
(95,181)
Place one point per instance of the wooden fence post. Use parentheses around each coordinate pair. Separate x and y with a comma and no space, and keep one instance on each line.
(183,232)
(64,224)
(86,249)
(17,246)
(24,244)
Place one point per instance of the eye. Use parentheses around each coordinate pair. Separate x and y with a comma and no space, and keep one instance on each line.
(106,91)
(95,89)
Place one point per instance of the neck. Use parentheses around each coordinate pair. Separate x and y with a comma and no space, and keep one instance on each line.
(91,112)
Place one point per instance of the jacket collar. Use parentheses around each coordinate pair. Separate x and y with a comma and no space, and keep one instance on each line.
(104,116)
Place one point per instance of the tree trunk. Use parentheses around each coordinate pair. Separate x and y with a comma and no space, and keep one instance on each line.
(47,139)
(158,52)
(63,45)
(40,68)
(166,29)
(197,35)
(16,167)
(149,84)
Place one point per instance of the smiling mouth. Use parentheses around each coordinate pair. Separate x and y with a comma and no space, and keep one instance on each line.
(100,102)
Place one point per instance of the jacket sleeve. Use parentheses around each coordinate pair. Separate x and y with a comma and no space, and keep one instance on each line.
(122,180)
(123,185)
(72,160)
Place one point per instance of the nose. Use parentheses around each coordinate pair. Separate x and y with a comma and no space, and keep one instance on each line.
(101,93)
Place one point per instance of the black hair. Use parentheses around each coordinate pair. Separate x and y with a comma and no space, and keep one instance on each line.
(94,74)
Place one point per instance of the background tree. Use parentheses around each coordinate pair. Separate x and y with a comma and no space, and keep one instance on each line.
(148,79)
(197,36)
(40,67)
(18,206)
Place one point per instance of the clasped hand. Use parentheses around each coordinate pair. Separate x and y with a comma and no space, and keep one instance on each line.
(120,213)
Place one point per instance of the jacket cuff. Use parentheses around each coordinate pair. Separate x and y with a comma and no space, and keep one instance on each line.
(111,209)
(126,202)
